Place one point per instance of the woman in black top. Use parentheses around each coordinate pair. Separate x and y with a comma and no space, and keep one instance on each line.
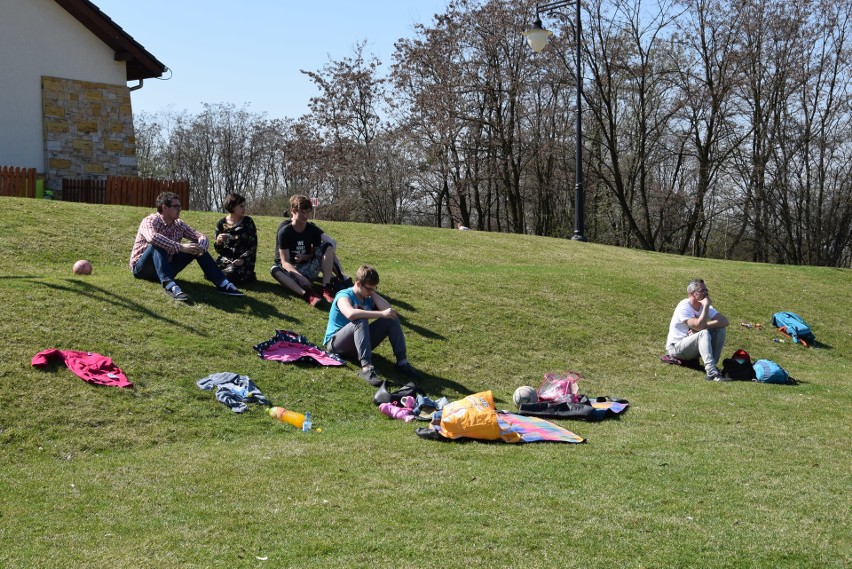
(236,241)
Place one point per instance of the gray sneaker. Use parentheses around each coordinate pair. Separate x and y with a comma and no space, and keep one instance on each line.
(716,375)
(370,376)
(176,293)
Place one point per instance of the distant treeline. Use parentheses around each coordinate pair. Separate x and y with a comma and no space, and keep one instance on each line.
(710,128)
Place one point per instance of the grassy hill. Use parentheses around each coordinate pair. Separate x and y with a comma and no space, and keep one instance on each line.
(696,474)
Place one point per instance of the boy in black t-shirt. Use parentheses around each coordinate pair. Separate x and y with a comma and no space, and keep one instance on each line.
(301,254)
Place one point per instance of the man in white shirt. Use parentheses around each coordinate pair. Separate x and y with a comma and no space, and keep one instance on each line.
(698,329)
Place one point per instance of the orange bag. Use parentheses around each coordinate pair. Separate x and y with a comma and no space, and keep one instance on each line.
(473,417)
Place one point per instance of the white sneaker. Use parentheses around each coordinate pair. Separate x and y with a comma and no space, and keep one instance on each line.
(716,375)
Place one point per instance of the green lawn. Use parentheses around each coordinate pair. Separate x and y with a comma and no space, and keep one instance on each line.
(696,474)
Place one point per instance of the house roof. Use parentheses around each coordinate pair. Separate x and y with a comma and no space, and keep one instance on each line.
(140,63)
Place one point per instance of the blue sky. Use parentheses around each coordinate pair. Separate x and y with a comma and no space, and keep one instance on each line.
(250,52)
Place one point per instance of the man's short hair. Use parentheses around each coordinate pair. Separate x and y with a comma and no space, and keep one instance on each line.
(694,284)
(233,200)
(299,202)
(367,275)
(165,199)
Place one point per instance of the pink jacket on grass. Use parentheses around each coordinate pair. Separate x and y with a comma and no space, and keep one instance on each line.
(286,346)
(88,366)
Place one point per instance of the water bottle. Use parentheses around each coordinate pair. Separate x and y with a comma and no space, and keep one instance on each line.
(307,422)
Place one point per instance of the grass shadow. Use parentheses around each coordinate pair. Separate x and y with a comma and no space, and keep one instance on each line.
(420,329)
(263,287)
(206,293)
(96,293)
(398,303)
(434,386)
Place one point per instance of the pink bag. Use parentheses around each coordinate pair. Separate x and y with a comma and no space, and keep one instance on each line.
(560,387)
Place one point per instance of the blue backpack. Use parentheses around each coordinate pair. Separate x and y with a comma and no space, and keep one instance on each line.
(767,371)
(794,326)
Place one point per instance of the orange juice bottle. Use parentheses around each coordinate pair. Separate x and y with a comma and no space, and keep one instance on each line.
(287,416)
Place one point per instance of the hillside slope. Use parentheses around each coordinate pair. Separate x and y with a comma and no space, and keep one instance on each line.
(731,474)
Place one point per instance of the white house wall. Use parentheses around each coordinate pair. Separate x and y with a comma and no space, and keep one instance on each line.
(39,38)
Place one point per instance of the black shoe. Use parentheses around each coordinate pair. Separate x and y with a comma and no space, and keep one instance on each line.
(230,290)
(338,284)
(382,394)
(370,376)
(408,370)
(176,293)
(430,434)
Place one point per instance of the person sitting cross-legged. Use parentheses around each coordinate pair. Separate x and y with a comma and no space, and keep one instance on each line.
(302,254)
(351,334)
(158,253)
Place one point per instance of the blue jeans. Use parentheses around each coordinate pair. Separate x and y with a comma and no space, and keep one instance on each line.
(154,265)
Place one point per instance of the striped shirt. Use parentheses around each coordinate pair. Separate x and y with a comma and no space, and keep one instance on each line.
(153,230)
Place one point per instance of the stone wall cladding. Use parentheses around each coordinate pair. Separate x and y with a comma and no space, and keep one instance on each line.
(88,130)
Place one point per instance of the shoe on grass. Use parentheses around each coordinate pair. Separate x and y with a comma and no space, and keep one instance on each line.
(328,293)
(311,297)
(371,376)
(408,370)
(176,293)
(716,375)
(230,290)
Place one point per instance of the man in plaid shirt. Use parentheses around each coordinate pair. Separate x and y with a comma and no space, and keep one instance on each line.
(159,255)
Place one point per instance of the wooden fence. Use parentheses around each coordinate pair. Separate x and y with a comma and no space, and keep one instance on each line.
(123,190)
(18,182)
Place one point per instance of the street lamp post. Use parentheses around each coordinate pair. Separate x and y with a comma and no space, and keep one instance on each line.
(537,37)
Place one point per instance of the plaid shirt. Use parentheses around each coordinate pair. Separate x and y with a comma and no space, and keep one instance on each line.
(153,230)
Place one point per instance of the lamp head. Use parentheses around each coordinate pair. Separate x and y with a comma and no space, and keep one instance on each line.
(537,37)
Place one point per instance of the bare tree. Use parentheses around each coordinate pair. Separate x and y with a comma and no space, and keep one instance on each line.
(347,116)
(708,72)
(632,104)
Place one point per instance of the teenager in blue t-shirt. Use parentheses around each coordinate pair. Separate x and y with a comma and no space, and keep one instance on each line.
(351,334)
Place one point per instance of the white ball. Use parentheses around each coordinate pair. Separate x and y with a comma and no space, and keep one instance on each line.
(525,394)
(82,267)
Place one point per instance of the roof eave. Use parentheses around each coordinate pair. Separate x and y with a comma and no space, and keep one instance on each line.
(140,63)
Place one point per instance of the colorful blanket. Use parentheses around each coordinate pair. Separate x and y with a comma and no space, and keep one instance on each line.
(519,429)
